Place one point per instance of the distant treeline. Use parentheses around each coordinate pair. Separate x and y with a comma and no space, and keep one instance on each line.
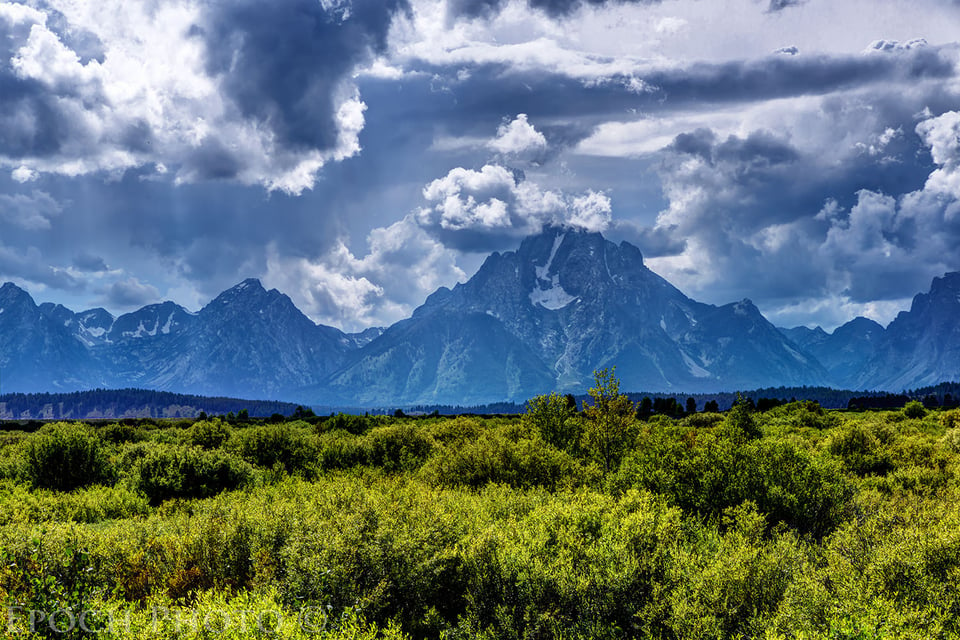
(128,403)
(945,394)
(143,403)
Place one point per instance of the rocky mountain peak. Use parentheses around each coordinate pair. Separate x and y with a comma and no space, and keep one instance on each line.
(946,288)
(249,289)
(11,295)
(250,301)
(859,326)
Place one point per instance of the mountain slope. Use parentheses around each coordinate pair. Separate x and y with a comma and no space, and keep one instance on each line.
(38,351)
(448,357)
(843,353)
(247,341)
(538,319)
(921,346)
(564,304)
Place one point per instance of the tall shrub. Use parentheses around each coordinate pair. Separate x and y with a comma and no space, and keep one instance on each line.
(65,456)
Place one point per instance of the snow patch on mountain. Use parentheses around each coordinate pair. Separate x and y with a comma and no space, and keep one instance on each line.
(696,370)
(553,298)
(165,329)
(544,271)
(141,331)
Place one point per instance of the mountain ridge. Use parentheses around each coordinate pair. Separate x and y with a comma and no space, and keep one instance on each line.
(540,318)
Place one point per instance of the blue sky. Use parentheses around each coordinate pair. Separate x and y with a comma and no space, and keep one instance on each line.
(359,154)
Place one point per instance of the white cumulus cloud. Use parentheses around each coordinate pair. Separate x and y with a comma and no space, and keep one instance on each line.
(479,210)
(519,138)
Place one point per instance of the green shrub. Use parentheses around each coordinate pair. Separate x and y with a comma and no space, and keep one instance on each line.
(398,447)
(356,425)
(709,472)
(65,456)
(702,420)
(914,409)
(740,418)
(119,433)
(731,584)
(19,504)
(164,472)
(455,429)
(340,450)
(495,459)
(277,444)
(208,434)
(951,440)
(950,419)
(863,447)
(806,492)
(802,415)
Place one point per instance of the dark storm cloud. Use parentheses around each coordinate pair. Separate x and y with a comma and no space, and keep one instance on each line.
(554,8)
(652,242)
(784,76)
(33,266)
(211,234)
(130,293)
(759,149)
(776,223)
(31,122)
(212,160)
(563,136)
(30,212)
(89,263)
(498,90)
(282,63)
(780,5)
(38,119)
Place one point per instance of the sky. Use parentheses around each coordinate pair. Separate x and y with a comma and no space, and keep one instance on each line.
(359,154)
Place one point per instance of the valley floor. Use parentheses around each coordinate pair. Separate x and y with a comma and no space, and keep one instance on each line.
(791,523)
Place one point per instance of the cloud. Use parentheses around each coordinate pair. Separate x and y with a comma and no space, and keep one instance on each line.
(554,8)
(31,265)
(780,5)
(519,139)
(402,266)
(128,294)
(240,91)
(518,142)
(888,244)
(896,45)
(590,211)
(942,135)
(743,205)
(24,174)
(490,208)
(653,242)
(30,212)
(89,263)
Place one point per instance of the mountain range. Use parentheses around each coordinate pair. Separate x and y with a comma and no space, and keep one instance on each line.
(530,321)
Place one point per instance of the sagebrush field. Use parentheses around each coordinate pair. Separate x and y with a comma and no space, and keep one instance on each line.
(791,523)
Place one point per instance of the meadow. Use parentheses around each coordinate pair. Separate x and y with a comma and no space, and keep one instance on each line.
(794,522)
